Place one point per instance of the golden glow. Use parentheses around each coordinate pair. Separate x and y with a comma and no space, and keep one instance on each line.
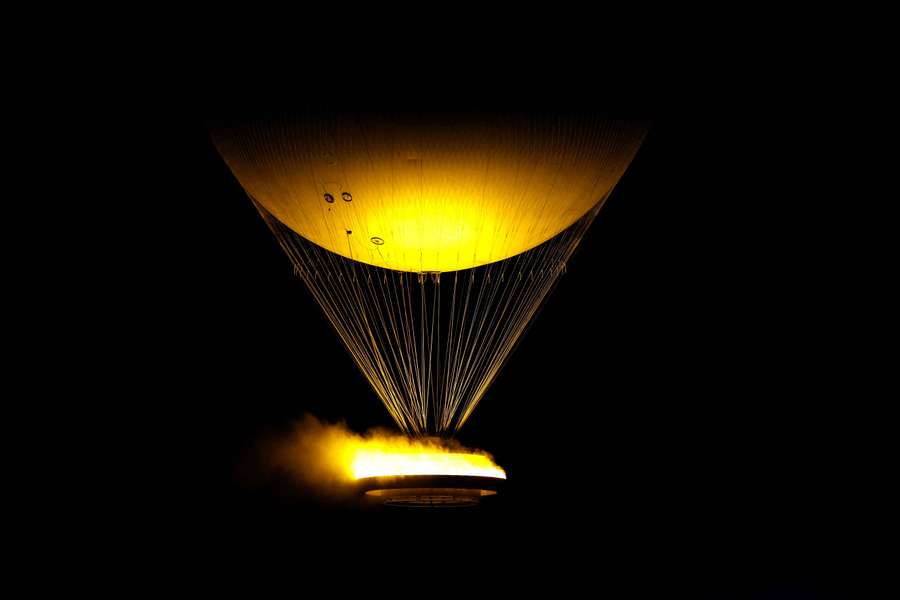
(436,196)
(378,462)
(331,456)
(386,455)
(335,452)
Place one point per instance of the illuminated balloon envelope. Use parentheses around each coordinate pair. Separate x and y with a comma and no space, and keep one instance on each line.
(430,241)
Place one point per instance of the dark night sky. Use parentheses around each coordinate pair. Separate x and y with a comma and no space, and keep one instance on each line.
(675,417)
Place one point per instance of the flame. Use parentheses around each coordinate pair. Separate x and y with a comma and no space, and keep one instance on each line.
(329,456)
(385,461)
(382,454)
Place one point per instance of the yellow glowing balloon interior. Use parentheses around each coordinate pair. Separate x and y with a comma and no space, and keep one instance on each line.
(379,463)
(425,196)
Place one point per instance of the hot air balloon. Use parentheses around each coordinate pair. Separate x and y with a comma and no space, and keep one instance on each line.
(429,241)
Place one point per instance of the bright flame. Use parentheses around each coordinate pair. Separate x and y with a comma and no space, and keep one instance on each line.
(328,456)
(385,462)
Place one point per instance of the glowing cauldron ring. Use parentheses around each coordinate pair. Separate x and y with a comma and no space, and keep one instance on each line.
(429,491)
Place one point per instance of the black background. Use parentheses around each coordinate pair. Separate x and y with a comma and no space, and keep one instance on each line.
(680,416)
